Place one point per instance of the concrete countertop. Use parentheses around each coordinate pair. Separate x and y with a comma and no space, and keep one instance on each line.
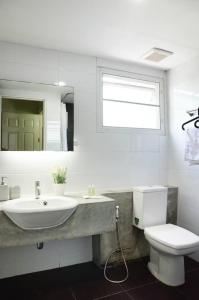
(92,216)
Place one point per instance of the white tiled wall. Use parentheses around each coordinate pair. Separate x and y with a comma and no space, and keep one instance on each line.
(184,95)
(106,160)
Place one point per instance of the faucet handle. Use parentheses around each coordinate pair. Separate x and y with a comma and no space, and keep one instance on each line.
(2,180)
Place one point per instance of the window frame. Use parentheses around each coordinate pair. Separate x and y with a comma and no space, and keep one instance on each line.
(136,76)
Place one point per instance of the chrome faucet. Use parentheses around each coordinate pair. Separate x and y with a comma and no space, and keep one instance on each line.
(37,189)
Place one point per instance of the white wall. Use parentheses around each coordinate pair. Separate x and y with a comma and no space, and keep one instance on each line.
(106,160)
(183,95)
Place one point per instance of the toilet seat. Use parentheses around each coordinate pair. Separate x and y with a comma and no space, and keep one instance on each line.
(172,236)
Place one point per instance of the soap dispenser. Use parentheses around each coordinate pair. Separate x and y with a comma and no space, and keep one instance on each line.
(4,190)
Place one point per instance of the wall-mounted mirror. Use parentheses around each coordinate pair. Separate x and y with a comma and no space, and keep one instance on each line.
(36,116)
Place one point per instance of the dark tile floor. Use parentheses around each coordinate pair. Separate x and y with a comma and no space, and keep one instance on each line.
(86,282)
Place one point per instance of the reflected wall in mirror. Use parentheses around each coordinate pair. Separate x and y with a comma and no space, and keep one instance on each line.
(36,116)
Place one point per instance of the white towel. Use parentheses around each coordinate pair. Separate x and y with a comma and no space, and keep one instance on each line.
(192,145)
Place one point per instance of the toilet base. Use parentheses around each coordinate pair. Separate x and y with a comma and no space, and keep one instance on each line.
(167,268)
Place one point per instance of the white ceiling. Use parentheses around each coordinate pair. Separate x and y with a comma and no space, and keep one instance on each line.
(119,29)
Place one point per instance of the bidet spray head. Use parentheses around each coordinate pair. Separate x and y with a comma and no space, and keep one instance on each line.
(117,212)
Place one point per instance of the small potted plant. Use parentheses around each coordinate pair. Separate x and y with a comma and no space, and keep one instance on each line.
(60,178)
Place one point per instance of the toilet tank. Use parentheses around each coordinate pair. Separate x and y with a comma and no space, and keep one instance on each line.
(149,206)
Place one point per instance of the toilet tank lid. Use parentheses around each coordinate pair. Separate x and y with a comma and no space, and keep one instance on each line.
(151,188)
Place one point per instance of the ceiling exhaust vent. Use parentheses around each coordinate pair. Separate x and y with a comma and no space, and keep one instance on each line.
(157,55)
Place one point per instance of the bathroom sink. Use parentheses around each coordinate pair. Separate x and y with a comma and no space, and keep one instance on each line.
(46,212)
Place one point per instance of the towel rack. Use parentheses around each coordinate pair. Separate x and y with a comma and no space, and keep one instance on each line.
(196,119)
(192,112)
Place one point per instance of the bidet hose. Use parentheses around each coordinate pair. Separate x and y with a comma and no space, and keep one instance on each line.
(119,249)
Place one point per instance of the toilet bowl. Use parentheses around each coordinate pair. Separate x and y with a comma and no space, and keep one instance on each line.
(168,245)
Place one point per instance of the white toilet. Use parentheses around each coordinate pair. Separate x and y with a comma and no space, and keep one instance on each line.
(168,243)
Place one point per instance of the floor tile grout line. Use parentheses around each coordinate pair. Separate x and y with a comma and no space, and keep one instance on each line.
(182,294)
(72,293)
(186,297)
(109,295)
(130,296)
(176,290)
(192,270)
(139,286)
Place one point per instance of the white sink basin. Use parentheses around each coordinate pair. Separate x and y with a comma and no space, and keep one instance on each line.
(46,212)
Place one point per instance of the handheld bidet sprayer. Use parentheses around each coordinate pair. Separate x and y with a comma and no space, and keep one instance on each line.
(117,213)
(117,250)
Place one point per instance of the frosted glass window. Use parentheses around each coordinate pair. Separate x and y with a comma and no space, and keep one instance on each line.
(118,114)
(129,102)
